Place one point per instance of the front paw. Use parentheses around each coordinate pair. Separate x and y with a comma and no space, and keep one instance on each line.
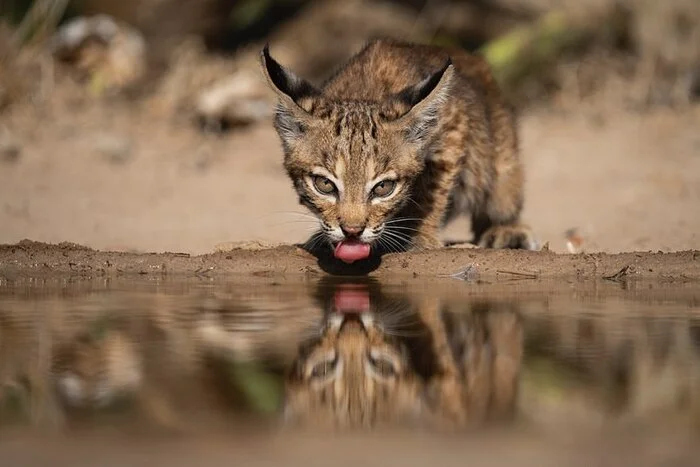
(515,236)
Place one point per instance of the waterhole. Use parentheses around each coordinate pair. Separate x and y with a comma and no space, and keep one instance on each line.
(265,371)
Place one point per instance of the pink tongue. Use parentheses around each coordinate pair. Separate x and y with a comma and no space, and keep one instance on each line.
(351,251)
(349,299)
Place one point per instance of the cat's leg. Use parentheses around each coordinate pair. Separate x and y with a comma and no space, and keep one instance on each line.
(496,222)
(506,335)
(445,388)
(434,196)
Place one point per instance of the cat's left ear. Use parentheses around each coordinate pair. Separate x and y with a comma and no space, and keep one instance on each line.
(425,101)
(295,93)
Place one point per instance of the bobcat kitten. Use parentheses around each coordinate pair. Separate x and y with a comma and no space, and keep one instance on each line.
(397,143)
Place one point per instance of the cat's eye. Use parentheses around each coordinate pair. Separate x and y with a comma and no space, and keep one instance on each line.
(381,365)
(323,369)
(384,188)
(324,185)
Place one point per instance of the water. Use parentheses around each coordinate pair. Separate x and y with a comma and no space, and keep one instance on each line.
(270,371)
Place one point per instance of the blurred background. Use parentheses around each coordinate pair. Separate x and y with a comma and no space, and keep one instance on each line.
(145,125)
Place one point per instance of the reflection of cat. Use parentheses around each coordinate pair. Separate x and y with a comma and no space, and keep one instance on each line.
(373,357)
(401,361)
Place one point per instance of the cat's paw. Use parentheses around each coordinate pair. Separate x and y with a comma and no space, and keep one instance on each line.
(515,236)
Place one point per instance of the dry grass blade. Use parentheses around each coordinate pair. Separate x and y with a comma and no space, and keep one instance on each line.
(40,21)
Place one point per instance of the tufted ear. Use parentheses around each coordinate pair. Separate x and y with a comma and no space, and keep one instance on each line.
(295,95)
(424,101)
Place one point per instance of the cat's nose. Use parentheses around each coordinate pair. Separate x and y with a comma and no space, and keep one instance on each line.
(352,230)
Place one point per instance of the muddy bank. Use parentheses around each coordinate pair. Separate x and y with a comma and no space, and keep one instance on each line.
(36,259)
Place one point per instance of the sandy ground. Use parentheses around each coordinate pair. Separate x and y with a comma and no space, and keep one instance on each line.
(112,177)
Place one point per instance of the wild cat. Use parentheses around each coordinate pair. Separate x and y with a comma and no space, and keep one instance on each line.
(397,143)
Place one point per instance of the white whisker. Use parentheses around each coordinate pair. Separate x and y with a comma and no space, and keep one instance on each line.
(403,219)
(403,238)
(397,245)
(399,227)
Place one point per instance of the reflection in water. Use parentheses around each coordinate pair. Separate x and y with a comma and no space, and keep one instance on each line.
(343,353)
(380,358)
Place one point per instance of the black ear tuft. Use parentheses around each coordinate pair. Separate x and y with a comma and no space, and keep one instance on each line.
(424,103)
(412,95)
(291,116)
(284,80)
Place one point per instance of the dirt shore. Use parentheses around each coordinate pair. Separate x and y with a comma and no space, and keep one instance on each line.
(36,259)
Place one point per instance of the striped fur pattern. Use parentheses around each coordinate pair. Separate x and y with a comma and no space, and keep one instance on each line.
(400,141)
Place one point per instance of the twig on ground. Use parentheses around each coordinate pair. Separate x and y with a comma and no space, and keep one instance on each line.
(529,275)
(620,275)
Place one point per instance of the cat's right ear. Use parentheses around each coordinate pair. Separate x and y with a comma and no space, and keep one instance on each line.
(295,96)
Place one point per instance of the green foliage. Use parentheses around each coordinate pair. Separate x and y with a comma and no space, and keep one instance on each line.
(528,48)
(263,392)
(34,20)
(248,12)
(12,11)
(13,403)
